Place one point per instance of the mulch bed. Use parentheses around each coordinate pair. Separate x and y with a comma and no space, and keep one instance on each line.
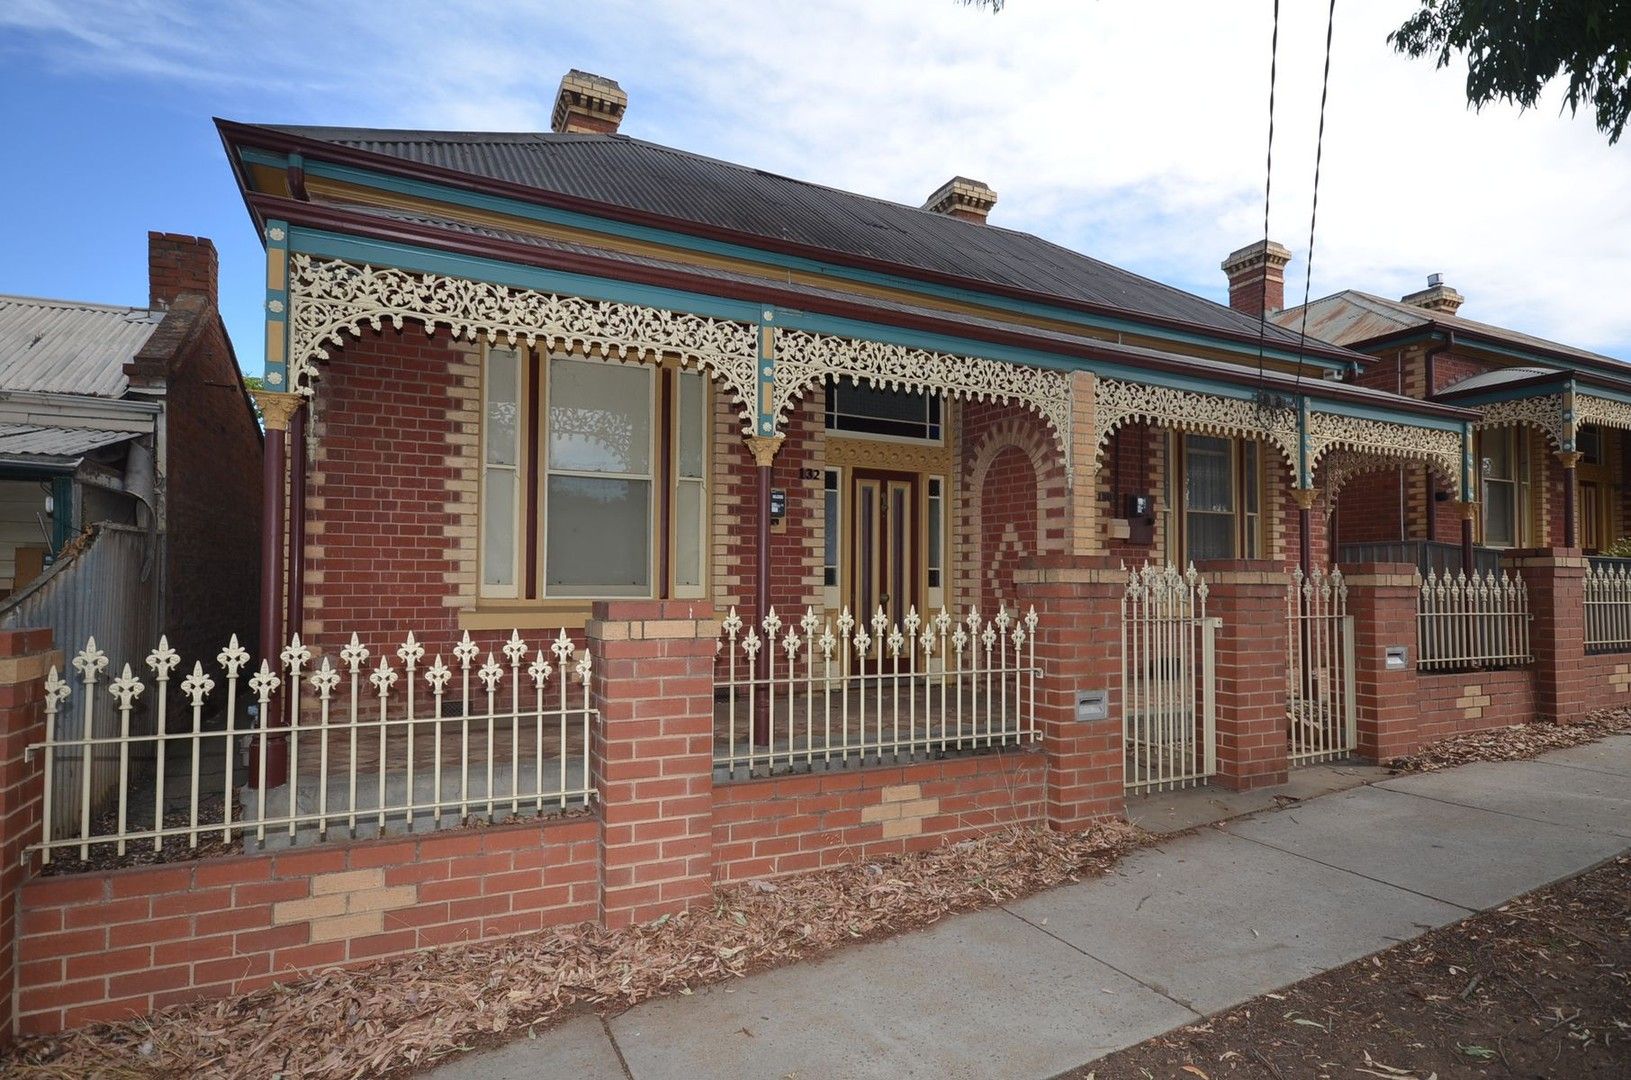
(1515,743)
(1539,987)
(406,1013)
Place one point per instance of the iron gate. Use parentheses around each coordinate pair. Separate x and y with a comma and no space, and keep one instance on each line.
(1168,679)
(1321,718)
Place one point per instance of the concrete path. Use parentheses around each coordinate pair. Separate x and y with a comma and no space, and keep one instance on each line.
(1192,926)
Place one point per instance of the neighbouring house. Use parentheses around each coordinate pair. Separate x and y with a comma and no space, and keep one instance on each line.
(129,465)
(1550,440)
(685,523)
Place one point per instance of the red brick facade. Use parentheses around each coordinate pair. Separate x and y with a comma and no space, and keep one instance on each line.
(1249,596)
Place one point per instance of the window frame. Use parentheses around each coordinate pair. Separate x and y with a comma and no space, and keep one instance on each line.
(932,401)
(530,591)
(1516,437)
(1249,535)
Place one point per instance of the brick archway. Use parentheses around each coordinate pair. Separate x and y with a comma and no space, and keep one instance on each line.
(1012,479)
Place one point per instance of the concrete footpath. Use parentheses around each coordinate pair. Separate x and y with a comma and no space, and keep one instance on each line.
(1177,931)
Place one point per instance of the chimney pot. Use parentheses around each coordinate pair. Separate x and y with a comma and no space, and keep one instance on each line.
(588,104)
(964,199)
(1257,277)
(1436,297)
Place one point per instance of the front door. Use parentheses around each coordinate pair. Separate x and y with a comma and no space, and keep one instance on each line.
(884,547)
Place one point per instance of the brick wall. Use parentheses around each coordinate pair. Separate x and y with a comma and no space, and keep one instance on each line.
(785,824)
(1133,463)
(1250,597)
(102,946)
(1457,703)
(25,657)
(211,495)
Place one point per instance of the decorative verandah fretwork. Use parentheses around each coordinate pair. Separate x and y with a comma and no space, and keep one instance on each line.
(1559,415)
(331,297)
(1303,441)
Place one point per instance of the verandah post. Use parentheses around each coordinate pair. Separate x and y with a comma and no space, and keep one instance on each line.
(763,448)
(277,411)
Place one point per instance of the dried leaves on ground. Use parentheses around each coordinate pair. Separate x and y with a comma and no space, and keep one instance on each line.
(1514,743)
(1539,987)
(407,1012)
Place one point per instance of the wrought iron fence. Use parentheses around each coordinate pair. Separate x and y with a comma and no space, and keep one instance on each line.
(1608,605)
(369,748)
(1321,711)
(1168,680)
(821,693)
(1467,623)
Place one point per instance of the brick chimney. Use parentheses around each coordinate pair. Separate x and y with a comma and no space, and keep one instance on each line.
(1436,297)
(1257,277)
(179,264)
(964,199)
(588,105)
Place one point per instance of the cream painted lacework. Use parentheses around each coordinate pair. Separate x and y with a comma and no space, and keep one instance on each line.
(1116,403)
(328,297)
(1546,412)
(1438,447)
(803,359)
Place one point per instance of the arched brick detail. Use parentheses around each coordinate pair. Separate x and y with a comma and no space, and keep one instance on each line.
(1014,501)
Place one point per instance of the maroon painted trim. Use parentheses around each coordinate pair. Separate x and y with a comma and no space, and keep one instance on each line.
(235,134)
(405,232)
(1606,368)
(535,467)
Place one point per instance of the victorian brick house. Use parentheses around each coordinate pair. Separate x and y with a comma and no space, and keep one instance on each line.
(771,525)
(1549,441)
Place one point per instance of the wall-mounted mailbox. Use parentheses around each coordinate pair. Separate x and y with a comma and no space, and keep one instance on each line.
(1397,657)
(1092,705)
(778,502)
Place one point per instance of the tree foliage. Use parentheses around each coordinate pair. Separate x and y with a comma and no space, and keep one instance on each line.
(1514,48)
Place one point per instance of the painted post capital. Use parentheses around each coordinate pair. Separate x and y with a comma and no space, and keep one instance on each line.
(277,408)
(1305,497)
(763,448)
(1569,458)
(1469,510)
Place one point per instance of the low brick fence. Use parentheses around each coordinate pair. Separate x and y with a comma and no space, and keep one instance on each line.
(104,946)
(661,832)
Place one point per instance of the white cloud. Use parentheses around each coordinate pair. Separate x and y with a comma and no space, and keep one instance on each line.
(1131,131)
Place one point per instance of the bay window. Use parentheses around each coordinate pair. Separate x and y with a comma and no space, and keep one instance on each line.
(594,479)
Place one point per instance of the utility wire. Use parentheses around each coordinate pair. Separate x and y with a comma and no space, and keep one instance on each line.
(1268,189)
(1314,213)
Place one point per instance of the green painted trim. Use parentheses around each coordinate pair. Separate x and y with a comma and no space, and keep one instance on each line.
(1305,473)
(648,234)
(1367,412)
(62,513)
(276,308)
(1469,466)
(423,260)
(765,416)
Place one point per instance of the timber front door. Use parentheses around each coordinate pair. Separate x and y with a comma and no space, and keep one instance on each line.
(884,545)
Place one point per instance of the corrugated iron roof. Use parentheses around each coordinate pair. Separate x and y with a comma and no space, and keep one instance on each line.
(1494,380)
(64,347)
(1350,317)
(31,440)
(638,175)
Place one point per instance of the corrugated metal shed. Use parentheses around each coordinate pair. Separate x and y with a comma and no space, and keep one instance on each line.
(638,175)
(63,347)
(1350,317)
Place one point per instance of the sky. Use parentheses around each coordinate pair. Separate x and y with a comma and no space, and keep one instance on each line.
(1132,131)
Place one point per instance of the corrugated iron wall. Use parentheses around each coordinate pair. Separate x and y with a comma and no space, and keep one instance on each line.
(108,590)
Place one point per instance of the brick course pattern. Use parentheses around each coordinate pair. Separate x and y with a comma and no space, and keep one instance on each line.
(781,825)
(104,946)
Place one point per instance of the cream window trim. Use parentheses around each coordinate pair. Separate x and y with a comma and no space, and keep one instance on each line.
(488,474)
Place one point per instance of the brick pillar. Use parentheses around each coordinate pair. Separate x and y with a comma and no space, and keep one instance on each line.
(1078,647)
(1382,599)
(652,755)
(1249,596)
(1557,634)
(25,657)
